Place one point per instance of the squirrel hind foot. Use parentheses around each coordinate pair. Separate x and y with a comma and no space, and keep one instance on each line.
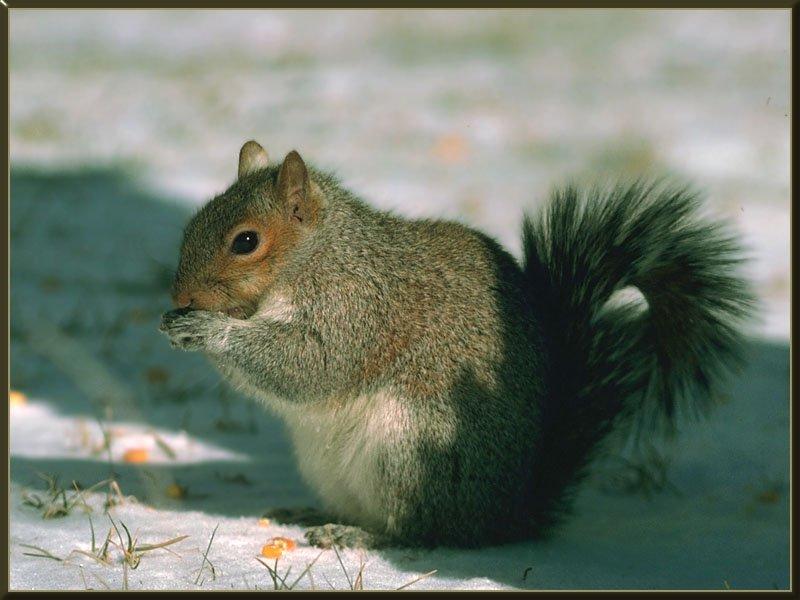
(342,536)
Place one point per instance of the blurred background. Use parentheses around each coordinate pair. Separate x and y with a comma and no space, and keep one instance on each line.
(470,115)
(122,122)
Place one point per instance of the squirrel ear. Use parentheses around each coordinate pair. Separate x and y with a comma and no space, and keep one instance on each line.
(293,186)
(252,157)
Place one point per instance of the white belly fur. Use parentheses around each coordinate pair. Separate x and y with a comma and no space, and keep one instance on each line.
(337,446)
(337,451)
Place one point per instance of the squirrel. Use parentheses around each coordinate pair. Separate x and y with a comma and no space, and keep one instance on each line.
(436,390)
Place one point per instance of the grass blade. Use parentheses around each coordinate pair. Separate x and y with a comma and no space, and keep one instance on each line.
(205,555)
(350,583)
(91,526)
(413,581)
(43,553)
(148,547)
(272,573)
(306,570)
(165,448)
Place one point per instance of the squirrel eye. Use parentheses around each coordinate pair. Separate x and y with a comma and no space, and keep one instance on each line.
(245,242)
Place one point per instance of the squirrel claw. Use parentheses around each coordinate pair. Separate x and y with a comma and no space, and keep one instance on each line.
(170,316)
(190,329)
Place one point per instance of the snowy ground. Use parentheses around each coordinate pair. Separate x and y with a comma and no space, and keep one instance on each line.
(122,122)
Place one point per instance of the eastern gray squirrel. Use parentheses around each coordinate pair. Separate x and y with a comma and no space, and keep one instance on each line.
(437,391)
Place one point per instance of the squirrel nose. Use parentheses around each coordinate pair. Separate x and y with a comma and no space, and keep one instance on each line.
(182,300)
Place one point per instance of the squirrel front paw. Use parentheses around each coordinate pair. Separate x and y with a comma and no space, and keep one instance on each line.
(196,329)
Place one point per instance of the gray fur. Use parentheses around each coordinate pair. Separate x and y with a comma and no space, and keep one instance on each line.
(421,352)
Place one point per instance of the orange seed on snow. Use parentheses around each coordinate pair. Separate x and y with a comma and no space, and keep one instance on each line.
(136,455)
(451,148)
(271,551)
(16,398)
(283,542)
(175,491)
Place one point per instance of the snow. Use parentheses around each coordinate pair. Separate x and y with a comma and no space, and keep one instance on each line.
(122,122)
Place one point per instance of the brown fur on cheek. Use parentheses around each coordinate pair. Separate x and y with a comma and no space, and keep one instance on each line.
(248,278)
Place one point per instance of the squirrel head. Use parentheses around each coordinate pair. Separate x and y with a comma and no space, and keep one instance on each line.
(235,246)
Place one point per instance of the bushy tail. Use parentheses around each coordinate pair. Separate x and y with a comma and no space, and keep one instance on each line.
(612,364)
